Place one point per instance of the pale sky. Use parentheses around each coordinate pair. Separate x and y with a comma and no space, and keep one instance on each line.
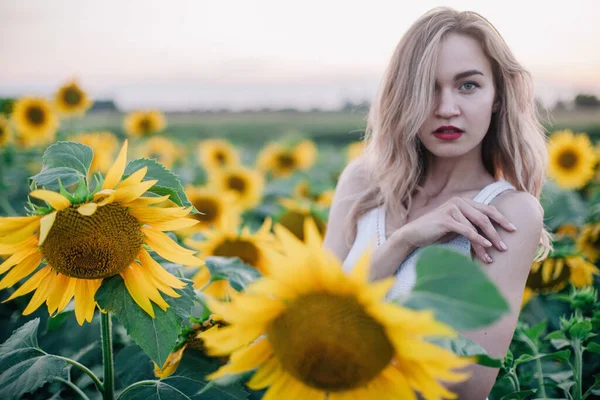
(185,54)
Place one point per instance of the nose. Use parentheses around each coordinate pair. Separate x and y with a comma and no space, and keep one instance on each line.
(446,105)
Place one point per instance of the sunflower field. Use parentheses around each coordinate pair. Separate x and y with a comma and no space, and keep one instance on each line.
(138,264)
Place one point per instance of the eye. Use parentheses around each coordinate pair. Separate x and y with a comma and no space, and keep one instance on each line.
(469,86)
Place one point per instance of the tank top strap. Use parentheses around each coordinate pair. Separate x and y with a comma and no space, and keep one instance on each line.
(492,190)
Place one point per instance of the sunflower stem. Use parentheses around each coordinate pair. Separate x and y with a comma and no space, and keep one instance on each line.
(107,357)
(577,395)
(83,368)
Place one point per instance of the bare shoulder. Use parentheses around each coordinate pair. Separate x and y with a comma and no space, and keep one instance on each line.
(352,183)
(522,209)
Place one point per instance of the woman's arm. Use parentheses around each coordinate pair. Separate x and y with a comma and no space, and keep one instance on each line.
(509,271)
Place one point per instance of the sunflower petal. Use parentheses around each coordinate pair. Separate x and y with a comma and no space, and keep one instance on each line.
(31,284)
(23,269)
(45,225)
(246,359)
(87,209)
(175,224)
(114,174)
(85,303)
(10,224)
(15,259)
(130,193)
(22,234)
(169,250)
(55,200)
(134,179)
(158,271)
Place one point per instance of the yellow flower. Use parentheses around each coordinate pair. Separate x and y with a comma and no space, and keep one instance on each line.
(354,150)
(310,331)
(144,123)
(571,159)
(81,244)
(104,145)
(588,243)
(217,153)
(302,190)
(35,120)
(71,100)
(294,215)
(160,149)
(553,274)
(193,341)
(227,242)
(567,230)
(283,161)
(325,198)
(246,184)
(6,133)
(215,209)
(528,295)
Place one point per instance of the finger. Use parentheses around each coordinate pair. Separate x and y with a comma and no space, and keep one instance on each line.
(479,249)
(484,223)
(493,213)
(469,232)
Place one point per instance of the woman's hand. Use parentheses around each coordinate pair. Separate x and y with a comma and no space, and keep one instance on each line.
(458,216)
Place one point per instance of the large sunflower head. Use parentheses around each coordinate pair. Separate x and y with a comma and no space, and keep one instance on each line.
(144,123)
(249,247)
(284,160)
(215,209)
(35,120)
(588,242)
(245,183)
(71,100)
(104,145)
(81,238)
(571,159)
(310,330)
(6,133)
(217,153)
(161,149)
(296,213)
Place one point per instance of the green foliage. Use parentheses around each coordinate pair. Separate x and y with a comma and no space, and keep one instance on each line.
(156,336)
(463,346)
(447,283)
(239,274)
(168,183)
(24,367)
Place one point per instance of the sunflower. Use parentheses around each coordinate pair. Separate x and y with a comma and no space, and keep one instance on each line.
(245,183)
(588,242)
(283,161)
(104,145)
(567,230)
(227,242)
(192,341)
(81,244)
(35,120)
(71,100)
(6,133)
(160,149)
(215,209)
(325,198)
(572,159)
(302,190)
(553,274)
(144,123)
(354,150)
(313,331)
(528,295)
(217,153)
(294,215)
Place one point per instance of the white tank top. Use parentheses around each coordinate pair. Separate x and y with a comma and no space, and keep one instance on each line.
(371,229)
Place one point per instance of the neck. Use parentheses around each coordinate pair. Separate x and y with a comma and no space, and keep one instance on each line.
(454,175)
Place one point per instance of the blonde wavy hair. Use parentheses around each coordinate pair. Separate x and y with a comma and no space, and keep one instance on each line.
(514,147)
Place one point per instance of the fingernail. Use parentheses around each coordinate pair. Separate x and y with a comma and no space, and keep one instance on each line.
(502,245)
(513,227)
(488,258)
(488,243)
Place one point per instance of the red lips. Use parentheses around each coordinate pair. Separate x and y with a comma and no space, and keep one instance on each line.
(448,129)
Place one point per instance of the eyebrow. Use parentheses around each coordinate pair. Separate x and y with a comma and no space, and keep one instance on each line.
(467,73)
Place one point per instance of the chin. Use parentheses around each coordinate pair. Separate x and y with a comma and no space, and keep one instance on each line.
(449,150)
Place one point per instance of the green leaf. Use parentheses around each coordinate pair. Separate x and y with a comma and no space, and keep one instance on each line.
(49,177)
(153,391)
(239,274)
(593,347)
(132,365)
(561,206)
(156,336)
(523,394)
(581,330)
(559,355)
(24,366)
(463,346)
(535,332)
(69,154)
(456,289)
(168,183)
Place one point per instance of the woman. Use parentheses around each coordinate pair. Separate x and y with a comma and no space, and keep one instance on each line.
(455,154)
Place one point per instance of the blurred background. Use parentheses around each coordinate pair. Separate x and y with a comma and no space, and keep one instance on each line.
(251,70)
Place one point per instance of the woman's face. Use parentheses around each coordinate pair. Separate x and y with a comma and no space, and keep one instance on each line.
(463,99)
